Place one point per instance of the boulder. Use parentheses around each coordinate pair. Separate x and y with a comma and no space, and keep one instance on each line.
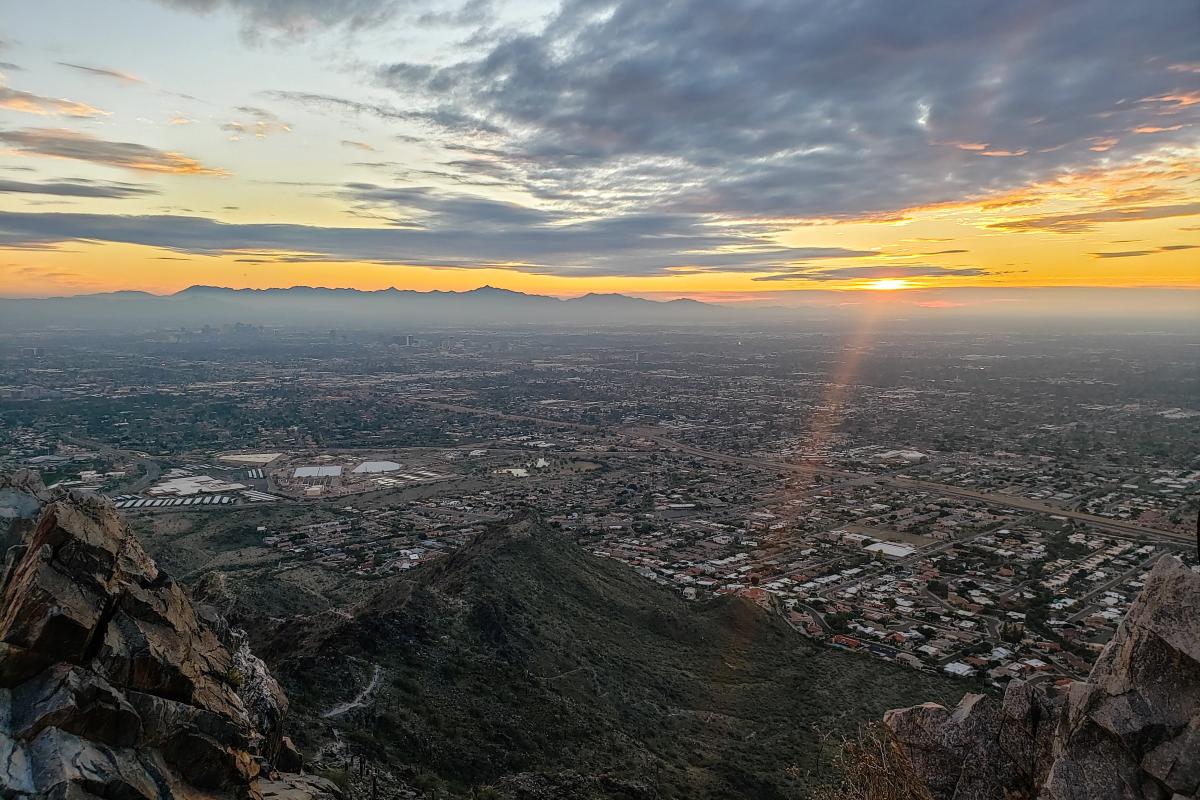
(1131,731)
(112,685)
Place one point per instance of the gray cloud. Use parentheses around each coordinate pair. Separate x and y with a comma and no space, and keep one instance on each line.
(293,19)
(1169,248)
(439,117)
(103,72)
(825,108)
(78,187)
(1087,220)
(61,143)
(436,229)
(875,272)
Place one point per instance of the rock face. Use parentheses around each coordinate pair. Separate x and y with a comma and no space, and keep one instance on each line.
(111,683)
(1131,731)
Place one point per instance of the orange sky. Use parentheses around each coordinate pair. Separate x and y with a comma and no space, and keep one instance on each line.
(185,157)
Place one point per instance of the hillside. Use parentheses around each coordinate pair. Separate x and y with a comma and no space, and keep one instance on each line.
(522,661)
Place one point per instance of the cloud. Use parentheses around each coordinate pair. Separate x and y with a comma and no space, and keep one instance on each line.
(103,72)
(77,188)
(61,143)
(295,19)
(831,110)
(8,65)
(358,145)
(1169,248)
(472,13)
(1124,254)
(261,125)
(433,228)
(439,117)
(876,272)
(29,103)
(1088,220)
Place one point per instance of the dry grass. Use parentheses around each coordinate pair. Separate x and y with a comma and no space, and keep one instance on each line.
(870,768)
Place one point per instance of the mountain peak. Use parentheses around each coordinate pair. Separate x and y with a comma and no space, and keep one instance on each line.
(116,684)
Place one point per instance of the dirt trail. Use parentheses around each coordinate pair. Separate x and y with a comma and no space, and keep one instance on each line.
(360,700)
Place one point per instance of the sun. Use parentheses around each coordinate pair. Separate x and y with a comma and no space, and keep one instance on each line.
(888,284)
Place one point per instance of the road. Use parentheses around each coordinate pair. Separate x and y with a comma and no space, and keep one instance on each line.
(1011,501)
(658,436)
(150,468)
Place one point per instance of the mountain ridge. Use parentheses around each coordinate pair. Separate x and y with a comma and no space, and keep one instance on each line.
(200,305)
(523,660)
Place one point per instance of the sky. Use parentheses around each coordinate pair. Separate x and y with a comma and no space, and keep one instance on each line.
(705,148)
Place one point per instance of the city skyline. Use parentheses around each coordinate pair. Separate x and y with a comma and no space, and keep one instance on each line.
(684,150)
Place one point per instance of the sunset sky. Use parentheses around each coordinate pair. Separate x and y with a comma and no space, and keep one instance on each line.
(683,147)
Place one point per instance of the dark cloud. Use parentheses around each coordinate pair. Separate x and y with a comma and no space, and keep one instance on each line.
(103,72)
(437,229)
(1087,220)
(293,19)
(61,143)
(78,188)
(824,108)
(8,65)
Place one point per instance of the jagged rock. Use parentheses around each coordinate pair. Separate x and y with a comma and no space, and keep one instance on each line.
(21,498)
(1131,731)
(289,758)
(111,684)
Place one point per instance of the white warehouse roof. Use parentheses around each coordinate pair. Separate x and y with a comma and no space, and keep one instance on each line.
(376,466)
(317,472)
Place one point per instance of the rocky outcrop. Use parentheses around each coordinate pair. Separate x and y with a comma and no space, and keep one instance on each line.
(111,683)
(1131,731)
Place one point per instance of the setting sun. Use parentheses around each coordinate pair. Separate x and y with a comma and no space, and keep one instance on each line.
(889,284)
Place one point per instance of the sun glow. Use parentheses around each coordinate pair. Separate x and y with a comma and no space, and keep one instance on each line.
(888,284)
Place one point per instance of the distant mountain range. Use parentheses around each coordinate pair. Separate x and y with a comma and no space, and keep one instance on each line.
(406,310)
(345,308)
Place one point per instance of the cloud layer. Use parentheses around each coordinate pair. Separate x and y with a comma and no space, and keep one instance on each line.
(435,229)
(823,108)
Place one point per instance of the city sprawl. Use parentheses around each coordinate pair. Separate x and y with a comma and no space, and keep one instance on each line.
(980,505)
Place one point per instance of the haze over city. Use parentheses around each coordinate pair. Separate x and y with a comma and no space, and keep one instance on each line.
(744,152)
(600,400)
